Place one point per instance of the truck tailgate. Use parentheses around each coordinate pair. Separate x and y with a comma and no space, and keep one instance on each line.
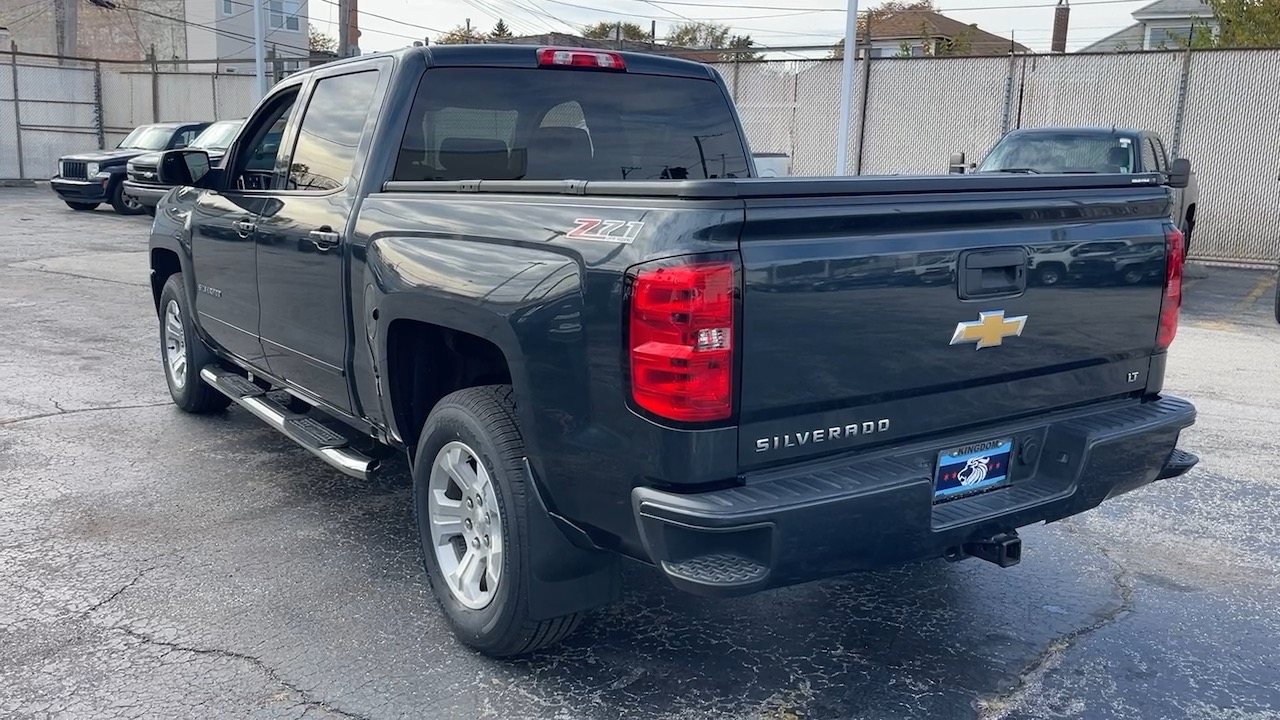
(870,319)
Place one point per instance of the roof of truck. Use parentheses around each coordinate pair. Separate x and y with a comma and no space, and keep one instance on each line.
(524,56)
(1100,130)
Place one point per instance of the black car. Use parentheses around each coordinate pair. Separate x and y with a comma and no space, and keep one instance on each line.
(142,183)
(88,179)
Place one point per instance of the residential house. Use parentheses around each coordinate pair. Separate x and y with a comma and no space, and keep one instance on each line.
(177,30)
(917,33)
(1162,25)
(223,29)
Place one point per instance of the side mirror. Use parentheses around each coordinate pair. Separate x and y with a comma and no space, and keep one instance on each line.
(183,167)
(957,164)
(1180,173)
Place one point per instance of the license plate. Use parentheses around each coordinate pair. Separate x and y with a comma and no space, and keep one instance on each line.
(971,469)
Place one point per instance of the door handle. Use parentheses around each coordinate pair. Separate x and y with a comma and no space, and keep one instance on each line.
(323,239)
(244,228)
(990,273)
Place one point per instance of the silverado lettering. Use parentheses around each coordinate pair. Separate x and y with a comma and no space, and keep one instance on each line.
(821,435)
(419,281)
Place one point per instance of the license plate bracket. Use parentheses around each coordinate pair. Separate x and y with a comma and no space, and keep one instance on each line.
(972,469)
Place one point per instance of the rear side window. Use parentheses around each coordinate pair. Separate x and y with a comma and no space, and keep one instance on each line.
(542,124)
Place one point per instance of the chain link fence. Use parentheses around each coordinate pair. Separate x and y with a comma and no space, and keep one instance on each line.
(1214,107)
(50,107)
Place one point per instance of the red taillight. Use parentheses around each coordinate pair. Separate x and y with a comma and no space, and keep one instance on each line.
(681,340)
(598,59)
(1172,303)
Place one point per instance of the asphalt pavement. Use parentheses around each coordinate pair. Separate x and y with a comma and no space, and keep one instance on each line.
(158,565)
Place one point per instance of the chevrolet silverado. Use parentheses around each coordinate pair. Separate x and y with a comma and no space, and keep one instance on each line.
(550,280)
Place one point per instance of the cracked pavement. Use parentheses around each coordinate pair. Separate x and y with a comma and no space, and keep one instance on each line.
(154,564)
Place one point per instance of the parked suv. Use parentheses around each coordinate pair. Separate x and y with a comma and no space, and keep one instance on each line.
(142,183)
(88,179)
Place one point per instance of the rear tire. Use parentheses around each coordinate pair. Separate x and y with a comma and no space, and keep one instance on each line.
(81,207)
(123,204)
(469,477)
(184,353)
(150,210)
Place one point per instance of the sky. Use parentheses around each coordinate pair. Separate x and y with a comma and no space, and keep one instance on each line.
(770,23)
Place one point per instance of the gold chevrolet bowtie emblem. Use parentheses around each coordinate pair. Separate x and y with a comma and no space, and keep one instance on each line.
(989,330)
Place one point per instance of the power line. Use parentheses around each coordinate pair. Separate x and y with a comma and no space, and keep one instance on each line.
(217,31)
(539,12)
(682,17)
(397,21)
(497,14)
(736,6)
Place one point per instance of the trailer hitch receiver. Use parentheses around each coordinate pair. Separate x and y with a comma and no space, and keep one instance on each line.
(1004,549)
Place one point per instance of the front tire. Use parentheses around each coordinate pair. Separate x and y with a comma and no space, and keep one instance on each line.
(81,207)
(184,353)
(123,204)
(471,507)
(1049,275)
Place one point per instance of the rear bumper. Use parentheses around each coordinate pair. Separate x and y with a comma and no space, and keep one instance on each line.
(828,518)
(149,195)
(85,191)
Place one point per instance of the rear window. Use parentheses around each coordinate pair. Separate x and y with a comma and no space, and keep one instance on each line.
(1062,153)
(543,124)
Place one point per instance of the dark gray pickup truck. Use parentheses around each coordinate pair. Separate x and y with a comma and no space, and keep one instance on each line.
(549,279)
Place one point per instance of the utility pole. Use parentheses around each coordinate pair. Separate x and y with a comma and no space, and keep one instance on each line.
(64,22)
(353,27)
(259,51)
(846,86)
(467,38)
(344,28)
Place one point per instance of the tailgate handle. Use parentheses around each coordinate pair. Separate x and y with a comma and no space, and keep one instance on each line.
(988,273)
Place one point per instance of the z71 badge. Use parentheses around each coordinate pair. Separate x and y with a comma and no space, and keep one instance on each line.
(620,231)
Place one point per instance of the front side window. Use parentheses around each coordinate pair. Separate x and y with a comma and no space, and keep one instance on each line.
(1162,157)
(325,154)
(185,137)
(544,124)
(1149,161)
(256,159)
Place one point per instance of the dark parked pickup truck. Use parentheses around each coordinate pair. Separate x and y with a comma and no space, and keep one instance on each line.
(549,278)
(1092,150)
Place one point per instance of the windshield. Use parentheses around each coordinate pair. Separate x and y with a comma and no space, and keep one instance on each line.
(492,124)
(217,136)
(148,137)
(1062,153)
